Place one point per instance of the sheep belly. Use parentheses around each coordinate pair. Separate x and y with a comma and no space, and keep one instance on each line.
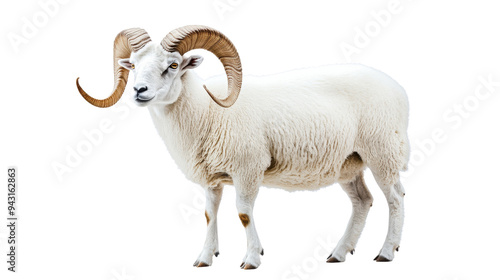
(310,178)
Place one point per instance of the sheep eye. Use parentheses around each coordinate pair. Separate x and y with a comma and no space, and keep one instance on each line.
(133,66)
(174,65)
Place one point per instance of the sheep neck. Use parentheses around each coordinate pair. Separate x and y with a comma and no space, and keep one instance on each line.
(185,123)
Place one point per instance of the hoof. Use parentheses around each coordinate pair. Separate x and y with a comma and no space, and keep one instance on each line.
(216,254)
(242,264)
(352,252)
(262,252)
(397,249)
(200,264)
(249,266)
(332,260)
(380,258)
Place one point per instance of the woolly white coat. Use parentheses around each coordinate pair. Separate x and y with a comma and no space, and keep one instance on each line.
(298,130)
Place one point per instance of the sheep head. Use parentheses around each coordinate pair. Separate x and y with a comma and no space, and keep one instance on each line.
(158,68)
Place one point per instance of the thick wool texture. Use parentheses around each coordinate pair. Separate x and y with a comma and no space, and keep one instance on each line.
(299,130)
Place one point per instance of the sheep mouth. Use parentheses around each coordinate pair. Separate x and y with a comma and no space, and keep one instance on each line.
(140,100)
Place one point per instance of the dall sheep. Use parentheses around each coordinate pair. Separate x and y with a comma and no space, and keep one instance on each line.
(299,130)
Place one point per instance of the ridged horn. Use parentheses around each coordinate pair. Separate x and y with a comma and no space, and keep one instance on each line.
(126,42)
(192,37)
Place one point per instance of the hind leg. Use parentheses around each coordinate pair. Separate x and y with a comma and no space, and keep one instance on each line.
(361,202)
(394,193)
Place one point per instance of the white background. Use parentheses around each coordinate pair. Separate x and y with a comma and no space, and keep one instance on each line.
(126,212)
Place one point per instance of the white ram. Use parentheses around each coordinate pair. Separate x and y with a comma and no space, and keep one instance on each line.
(299,130)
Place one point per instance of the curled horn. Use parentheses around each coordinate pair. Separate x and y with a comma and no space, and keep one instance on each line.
(192,37)
(126,42)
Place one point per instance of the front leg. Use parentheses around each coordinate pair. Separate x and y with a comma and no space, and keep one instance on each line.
(246,193)
(211,247)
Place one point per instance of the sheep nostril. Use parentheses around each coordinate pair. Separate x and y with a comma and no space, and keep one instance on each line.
(141,89)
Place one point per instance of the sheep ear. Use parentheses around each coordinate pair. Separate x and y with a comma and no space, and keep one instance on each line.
(191,62)
(125,63)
